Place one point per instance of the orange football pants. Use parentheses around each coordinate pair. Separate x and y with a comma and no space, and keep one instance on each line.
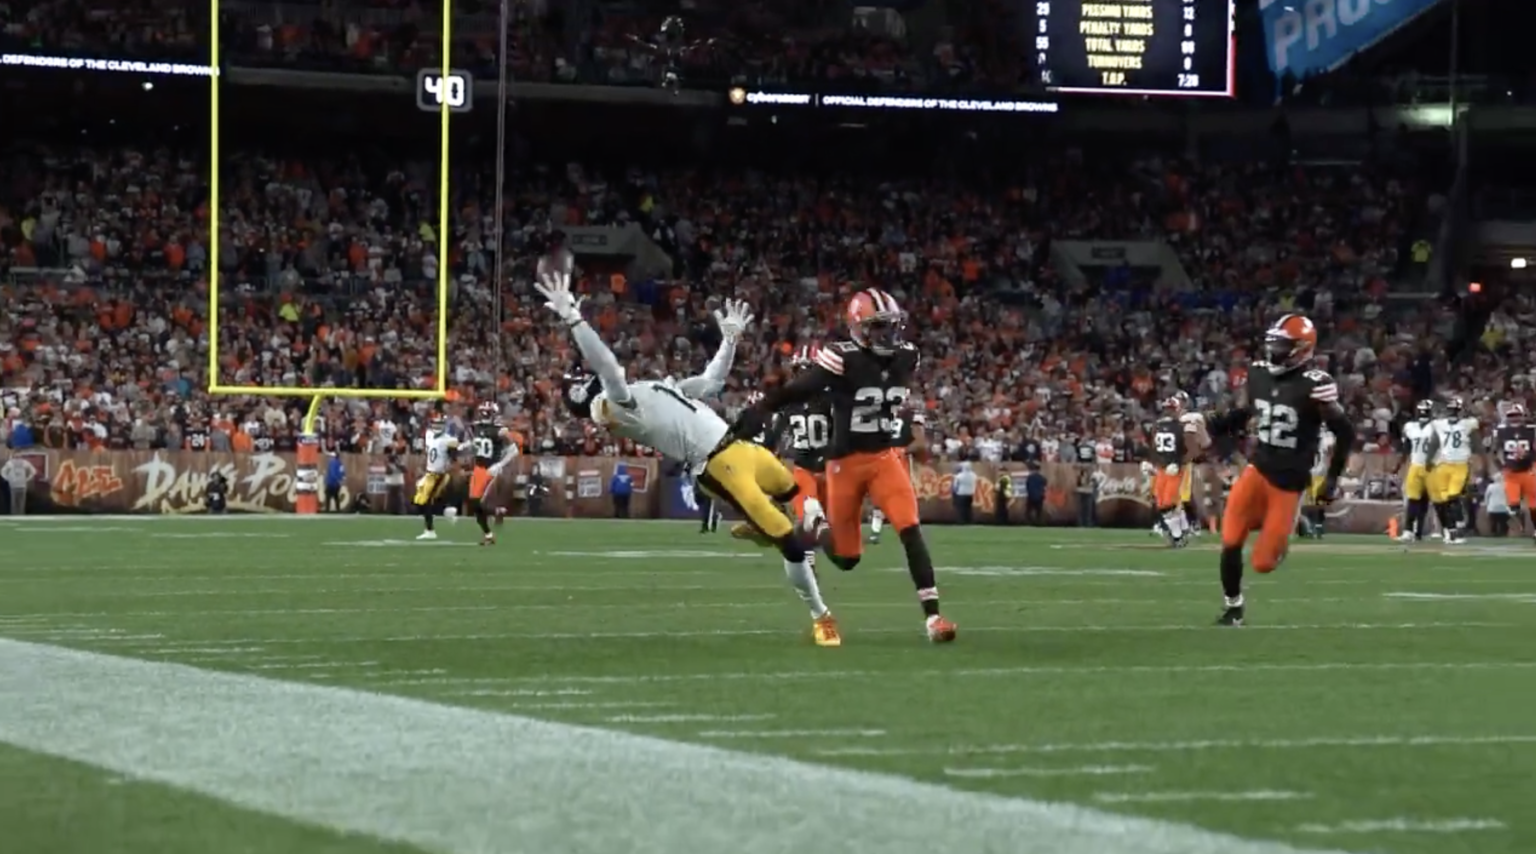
(1166,489)
(1520,486)
(1255,504)
(811,485)
(479,482)
(885,479)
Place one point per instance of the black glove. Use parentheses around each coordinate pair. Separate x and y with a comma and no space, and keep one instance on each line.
(750,423)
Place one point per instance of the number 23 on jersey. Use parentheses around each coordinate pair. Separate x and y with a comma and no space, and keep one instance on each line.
(874,410)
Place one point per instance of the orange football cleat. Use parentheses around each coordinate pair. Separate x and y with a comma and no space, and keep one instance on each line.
(825,632)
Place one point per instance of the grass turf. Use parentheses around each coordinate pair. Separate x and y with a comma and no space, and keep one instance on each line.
(1379,699)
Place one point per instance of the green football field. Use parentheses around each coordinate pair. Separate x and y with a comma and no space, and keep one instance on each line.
(171,686)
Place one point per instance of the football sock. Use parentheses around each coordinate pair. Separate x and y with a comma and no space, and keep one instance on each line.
(1418,511)
(1443,513)
(920,565)
(1191,515)
(804,580)
(483,518)
(426,515)
(1232,575)
(876,522)
(1319,520)
(1175,521)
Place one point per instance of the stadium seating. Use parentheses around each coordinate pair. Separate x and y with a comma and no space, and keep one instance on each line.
(328,272)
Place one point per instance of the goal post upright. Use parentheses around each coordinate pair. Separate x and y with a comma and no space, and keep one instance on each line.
(306,480)
(443,204)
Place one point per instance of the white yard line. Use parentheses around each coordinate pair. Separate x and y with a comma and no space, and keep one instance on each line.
(201,651)
(1406,825)
(1184,797)
(1520,598)
(791,733)
(1080,771)
(317,665)
(520,692)
(1189,746)
(581,707)
(685,719)
(967,673)
(465,781)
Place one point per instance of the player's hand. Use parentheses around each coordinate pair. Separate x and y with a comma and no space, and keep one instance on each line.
(494,471)
(1171,469)
(555,287)
(1147,468)
(735,319)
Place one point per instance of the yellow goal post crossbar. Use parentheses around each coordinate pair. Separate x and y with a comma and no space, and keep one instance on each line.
(440,391)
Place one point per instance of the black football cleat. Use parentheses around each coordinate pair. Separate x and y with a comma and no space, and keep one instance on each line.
(1231,617)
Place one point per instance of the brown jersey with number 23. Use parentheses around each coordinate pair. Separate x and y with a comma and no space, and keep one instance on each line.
(868,392)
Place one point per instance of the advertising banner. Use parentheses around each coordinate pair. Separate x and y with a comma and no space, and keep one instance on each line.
(1309,36)
(175,482)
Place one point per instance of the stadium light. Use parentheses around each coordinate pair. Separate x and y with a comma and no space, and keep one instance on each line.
(1517,263)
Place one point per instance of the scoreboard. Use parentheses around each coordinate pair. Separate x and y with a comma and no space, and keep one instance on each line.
(1136,47)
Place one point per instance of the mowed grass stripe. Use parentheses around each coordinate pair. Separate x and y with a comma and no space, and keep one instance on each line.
(595,636)
(1090,671)
(464,781)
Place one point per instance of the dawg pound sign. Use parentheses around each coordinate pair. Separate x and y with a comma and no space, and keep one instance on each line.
(258,483)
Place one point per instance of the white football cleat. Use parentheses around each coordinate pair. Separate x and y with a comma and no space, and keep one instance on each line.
(427,535)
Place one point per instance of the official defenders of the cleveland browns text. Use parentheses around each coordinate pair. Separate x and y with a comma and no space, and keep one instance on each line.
(867,381)
(1290,401)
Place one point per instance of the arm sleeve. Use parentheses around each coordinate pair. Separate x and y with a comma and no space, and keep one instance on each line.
(713,378)
(603,363)
(1343,441)
(509,455)
(802,388)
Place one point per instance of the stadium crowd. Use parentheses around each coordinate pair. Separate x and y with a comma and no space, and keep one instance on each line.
(327,265)
(613,43)
(328,270)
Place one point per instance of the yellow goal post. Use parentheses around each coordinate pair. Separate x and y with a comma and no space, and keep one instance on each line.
(316,395)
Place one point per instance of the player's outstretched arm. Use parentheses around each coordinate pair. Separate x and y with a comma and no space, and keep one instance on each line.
(805,386)
(555,287)
(732,322)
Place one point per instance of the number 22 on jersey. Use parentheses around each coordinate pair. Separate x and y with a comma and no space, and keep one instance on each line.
(1277,423)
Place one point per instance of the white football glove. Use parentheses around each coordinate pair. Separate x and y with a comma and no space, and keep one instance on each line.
(1172,469)
(1147,468)
(735,319)
(555,287)
(494,471)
